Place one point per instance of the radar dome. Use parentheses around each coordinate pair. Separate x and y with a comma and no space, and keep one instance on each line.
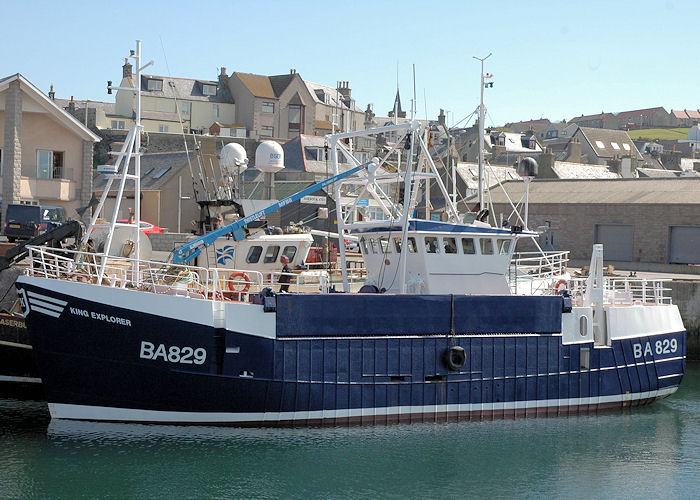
(269,157)
(233,158)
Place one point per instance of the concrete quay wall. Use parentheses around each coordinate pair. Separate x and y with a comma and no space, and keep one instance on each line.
(686,295)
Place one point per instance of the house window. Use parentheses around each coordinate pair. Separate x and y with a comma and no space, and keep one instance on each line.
(209,89)
(162,128)
(615,145)
(600,144)
(626,146)
(185,108)
(118,124)
(266,131)
(154,84)
(216,110)
(268,107)
(49,164)
(295,114)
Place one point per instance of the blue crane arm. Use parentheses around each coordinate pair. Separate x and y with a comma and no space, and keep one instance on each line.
(190,250)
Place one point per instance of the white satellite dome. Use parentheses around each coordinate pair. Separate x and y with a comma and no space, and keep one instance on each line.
(269,157)
(233,158)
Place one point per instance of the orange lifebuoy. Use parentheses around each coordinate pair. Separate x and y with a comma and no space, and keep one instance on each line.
(559,286)
(238,278)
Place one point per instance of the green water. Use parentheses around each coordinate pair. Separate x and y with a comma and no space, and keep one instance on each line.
(650,452)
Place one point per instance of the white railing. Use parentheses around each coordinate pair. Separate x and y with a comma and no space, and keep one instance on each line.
(624,291)
(535,273)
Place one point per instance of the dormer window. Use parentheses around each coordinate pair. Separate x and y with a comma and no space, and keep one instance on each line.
(153,84)
(208,89)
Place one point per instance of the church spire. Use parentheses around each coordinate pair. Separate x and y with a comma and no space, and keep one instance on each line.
(397,107)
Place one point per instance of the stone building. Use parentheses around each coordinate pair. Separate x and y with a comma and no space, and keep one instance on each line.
(46,157)
(639,221)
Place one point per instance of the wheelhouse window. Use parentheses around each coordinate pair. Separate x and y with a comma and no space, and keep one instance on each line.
(397,244)
(431,244)
(153,84)
(373,245)
(268,107)
(289,252)
(363,246)
(450,245)
(384,242)
(412,247)
(468,247)
(271,254)
(486,246)
(254,254)
(503,246)
(49,164)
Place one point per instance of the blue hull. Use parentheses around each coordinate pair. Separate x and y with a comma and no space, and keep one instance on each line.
(113,372)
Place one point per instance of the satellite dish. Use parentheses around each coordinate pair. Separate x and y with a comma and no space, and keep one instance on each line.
(233,158)
(269,157)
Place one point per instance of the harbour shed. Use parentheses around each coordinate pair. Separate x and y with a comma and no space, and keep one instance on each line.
(653,221)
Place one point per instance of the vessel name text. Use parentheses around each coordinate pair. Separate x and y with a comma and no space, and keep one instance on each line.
(664,346)
(173,354)
(100,316)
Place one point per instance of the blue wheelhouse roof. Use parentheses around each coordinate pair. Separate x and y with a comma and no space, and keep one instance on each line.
(418,225)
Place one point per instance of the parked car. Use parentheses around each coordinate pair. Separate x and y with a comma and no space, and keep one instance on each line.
(23,222)
(146,227)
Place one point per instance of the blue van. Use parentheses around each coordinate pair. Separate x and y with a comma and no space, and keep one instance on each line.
(23,222)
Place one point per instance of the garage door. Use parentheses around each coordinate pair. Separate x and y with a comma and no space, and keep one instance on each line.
(685,245)
(617,240)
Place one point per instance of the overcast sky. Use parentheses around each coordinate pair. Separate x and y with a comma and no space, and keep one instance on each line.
(550,59)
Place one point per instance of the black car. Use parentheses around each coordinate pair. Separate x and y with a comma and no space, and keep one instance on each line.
(26,221)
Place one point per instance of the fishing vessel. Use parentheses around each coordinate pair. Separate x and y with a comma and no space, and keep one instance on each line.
(435,333)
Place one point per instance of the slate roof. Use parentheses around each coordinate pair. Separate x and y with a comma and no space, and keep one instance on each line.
(185,88)
(607,137)
(151,165)
(281,82)
(678,191)
(107,107)
(583,118)
(258,85)
(570,170)
(331,95)
(469,173)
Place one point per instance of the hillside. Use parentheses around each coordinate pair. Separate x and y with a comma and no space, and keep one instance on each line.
(669,134)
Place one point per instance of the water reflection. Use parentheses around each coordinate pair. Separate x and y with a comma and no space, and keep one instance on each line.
(650,451)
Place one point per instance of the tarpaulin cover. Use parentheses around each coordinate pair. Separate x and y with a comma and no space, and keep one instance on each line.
(378,314)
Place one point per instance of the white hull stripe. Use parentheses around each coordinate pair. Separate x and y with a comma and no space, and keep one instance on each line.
(15,344)
(57,302)
(48,312)
(46,305)
(10,378)
(83,412)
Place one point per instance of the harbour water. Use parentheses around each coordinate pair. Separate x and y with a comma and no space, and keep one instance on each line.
(650,452)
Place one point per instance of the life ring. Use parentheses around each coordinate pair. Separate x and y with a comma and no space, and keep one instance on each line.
(238,278)
(560,286)
(455,357)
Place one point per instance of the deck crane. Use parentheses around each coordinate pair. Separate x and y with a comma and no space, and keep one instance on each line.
(190,250)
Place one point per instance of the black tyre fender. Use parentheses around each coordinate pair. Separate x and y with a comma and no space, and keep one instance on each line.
(455,358)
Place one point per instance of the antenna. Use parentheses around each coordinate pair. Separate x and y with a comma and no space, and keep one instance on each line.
(414,104)
(482,112)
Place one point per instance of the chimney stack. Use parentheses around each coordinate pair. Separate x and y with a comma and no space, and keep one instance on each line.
(52,94)
(441,117)
(71,104)
(344,89)
(126,69)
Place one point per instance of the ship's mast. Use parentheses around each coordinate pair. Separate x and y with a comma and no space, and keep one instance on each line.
(482,112)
